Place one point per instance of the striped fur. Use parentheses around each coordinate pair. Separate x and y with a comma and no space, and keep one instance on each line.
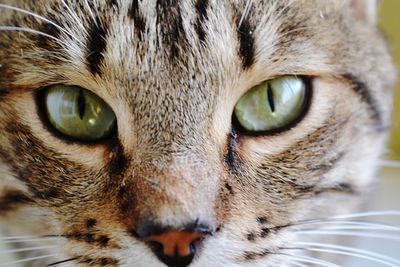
(172,72)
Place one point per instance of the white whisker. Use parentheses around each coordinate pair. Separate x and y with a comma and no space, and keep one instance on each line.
(74,16)
(298,264)
(368,214)
(40,18)
(19,237)
(351,254)
(20,29)
(246,12)
(389,163)
(349,251)
(308,259)
(91,13)
(350,233)
(350,224)
(361,227)
(29,240)
(12,263)
(26,249)
(29,237)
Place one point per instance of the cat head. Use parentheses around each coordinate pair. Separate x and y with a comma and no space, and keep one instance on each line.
(182,171)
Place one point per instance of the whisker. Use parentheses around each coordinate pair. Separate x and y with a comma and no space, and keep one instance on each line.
(350,233)
(308,259)
(12,263)
(21,29)
(349,251)
(28,237)
(91,13)
(26,249)
(246,12)
(355,226)
(368,214)
(360,227)
(389,163)
(351,254)
(60,262)
(298,264)
(40,18)
(343,219)
(74,16)
(29,240)
(339,223)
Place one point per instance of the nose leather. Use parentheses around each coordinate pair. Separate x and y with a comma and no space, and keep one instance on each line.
(174,247)
(177,243)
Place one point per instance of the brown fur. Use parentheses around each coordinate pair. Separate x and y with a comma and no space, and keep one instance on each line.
(172,72)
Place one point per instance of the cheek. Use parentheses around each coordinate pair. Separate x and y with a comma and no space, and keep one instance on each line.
(317,155)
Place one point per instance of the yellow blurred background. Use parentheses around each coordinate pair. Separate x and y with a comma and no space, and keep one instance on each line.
(390,23)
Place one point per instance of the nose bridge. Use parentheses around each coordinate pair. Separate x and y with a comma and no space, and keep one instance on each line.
(186,181)
(171,191)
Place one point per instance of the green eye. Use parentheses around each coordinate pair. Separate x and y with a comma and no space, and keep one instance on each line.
(78,113)
(272,105)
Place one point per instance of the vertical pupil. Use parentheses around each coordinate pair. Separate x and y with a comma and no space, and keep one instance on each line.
(270,95)
(81,104)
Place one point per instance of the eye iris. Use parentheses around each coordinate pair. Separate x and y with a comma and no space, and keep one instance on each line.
(77,113)
(271,105)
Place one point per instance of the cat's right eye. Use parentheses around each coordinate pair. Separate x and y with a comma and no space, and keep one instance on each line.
(78,113)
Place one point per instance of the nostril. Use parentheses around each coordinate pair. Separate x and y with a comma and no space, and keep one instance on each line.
(156,247)
(175,248)
(174,260)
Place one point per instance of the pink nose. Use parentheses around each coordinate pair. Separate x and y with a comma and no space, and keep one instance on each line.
(177,243)
(176,248)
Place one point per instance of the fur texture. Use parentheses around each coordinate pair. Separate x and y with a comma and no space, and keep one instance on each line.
(172,72)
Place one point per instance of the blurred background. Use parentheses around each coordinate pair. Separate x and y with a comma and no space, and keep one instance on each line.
(390,23)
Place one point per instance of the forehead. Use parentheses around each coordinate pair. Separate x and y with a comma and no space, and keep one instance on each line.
(167,62)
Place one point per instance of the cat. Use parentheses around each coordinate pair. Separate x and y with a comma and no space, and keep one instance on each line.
(188,132)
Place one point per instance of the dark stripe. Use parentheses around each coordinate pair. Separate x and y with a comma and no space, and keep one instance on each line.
(43,180)
(113,3)
(138,20)
(49,44)
(119,161)
(169,20)
(201,8)
(11,200)
(246,42)
(46,193)
(45,42)
(251,256)
(3,93)
(231,158)
(96,46)
(361,89)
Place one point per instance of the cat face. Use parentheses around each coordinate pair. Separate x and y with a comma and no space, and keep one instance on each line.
(178,179)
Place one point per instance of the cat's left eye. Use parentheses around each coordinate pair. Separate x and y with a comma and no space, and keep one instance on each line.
(272,105)
(77,113)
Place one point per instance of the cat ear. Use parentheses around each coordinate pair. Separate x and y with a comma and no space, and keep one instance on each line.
(365,10)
